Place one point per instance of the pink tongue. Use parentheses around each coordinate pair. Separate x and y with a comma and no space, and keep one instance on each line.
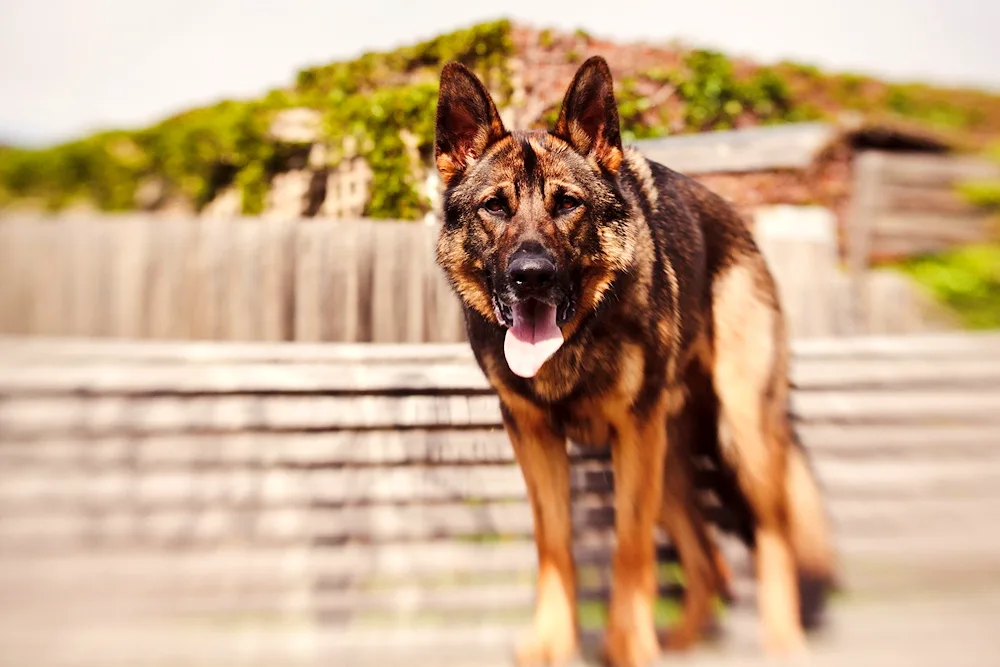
(533,338)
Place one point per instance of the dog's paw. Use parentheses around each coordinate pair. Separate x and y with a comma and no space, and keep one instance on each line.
(635,647)
(546,648)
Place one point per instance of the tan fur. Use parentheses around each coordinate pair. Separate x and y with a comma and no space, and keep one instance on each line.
(744,365)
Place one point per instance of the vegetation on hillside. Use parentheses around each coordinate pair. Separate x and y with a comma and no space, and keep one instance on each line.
(374,98)
(199,152)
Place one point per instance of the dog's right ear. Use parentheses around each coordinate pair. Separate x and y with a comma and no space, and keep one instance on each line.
(467,121)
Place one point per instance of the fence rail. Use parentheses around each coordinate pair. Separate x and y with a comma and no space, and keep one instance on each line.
(313,280)
(242,279)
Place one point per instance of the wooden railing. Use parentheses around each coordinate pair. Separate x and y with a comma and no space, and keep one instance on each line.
(295,504)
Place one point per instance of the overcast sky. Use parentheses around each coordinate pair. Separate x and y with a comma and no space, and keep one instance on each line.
(67,66)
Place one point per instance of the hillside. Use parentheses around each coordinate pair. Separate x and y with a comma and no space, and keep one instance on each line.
(380,107)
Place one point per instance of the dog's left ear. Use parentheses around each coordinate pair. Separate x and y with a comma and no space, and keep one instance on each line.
(588,119)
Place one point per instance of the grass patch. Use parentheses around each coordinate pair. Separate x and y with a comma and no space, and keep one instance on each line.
(965,280)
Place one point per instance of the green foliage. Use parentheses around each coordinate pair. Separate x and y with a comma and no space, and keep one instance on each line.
(103,168)
(483,48)
(985,194)
(372,98)
(715,97)
(927,105)
(377,97)
(376,121)
(191,150)
(966,279)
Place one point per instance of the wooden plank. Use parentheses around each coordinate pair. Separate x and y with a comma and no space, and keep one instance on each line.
(243,378)
(73,350)
(128,262)
(894,406)
(165,296)
(242,290)
(861,442)
(37,376)
(51,279)
(948,228)
(277,280)
(924,346)
(920,199)
(934,171)
(54,526)
(309,282)
(108,415)
(856,442)
(925,633)
(93,415)
(334,448)
(869,167)
(366,257)
(16,277)
(276,487)
(342,252)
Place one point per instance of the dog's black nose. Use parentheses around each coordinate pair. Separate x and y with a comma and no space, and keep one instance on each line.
(532,272)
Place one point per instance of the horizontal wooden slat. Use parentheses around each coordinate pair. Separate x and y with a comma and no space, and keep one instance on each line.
(928,170)
(969,442)
(868,636)
(243,378)
(19,351)
(344,447)
(920,199)
(924,633)
(439,446)
(83,350)
(365,563)
(52,526)
(413,378)
(109,415)
(882,478)
(914,407)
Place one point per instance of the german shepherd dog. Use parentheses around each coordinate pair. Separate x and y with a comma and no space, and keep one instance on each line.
(612,301)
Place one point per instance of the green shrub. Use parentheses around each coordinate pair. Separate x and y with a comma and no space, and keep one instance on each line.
(967,280)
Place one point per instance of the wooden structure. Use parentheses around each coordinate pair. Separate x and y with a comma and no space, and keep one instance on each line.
(893,190)
(213,504)
(313,280)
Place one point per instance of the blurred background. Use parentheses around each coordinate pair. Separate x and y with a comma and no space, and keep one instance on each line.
(187,187)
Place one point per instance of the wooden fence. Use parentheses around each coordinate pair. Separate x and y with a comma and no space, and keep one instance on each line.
(232,279)
(340,281)
(904,205)
(269,504)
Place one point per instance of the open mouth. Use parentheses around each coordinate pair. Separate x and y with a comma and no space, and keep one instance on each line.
(533,333)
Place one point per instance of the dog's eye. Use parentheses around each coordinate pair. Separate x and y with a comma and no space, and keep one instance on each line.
(493,205)
(567,203)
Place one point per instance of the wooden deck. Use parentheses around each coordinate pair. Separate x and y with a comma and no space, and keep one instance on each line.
(177,504)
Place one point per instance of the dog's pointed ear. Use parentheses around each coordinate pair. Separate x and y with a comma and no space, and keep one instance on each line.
(467,121)
(588,119)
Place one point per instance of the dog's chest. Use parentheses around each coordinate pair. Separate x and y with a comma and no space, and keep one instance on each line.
(584,425)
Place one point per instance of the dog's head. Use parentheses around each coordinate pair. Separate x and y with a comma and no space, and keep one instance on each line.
(535,223)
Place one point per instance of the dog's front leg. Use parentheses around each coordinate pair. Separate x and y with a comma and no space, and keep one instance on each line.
(638,454)
(543,460)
